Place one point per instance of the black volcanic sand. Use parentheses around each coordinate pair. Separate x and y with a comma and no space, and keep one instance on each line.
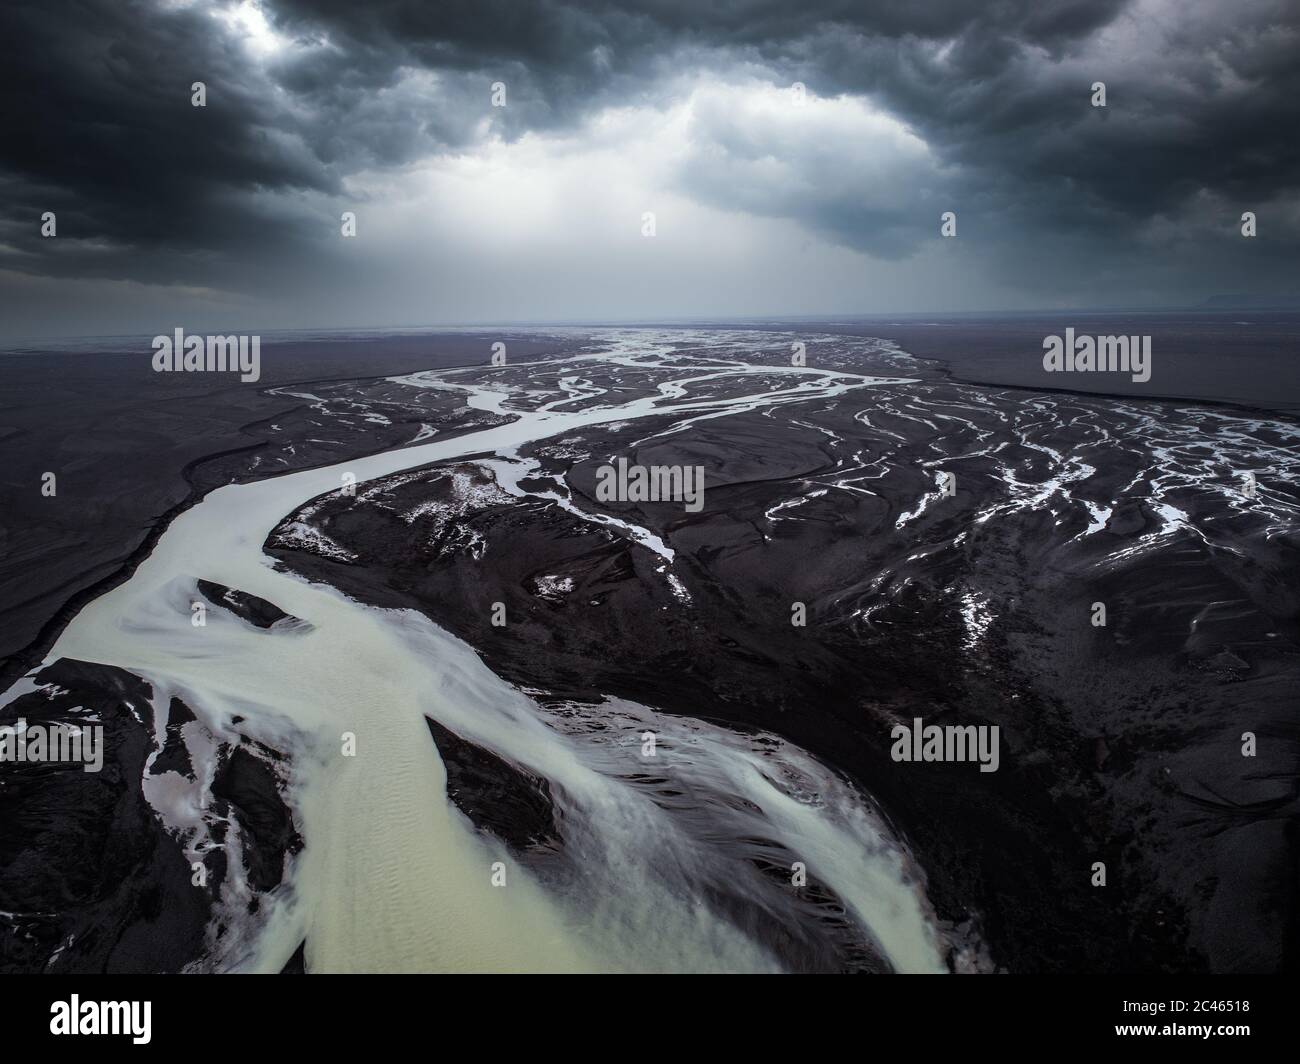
(90,879)
(497,796)
(131,448)
(1119,744)
(256,611)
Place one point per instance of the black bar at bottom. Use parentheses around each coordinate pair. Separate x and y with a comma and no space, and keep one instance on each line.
(352,1013)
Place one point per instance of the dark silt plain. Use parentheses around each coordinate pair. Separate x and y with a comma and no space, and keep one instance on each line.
(1120,743)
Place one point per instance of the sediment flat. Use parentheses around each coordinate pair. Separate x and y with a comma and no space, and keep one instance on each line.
(1122,743)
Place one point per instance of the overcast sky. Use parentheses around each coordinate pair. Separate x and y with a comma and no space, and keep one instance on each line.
(228,216)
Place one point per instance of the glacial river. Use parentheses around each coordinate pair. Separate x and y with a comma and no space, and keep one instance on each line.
(392,877)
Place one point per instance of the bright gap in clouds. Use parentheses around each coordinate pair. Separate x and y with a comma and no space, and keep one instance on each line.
(748,190)
(248,21)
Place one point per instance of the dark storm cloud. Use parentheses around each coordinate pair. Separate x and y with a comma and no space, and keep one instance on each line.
(992,87)
(99,128)
(571,57)
(1005,104)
